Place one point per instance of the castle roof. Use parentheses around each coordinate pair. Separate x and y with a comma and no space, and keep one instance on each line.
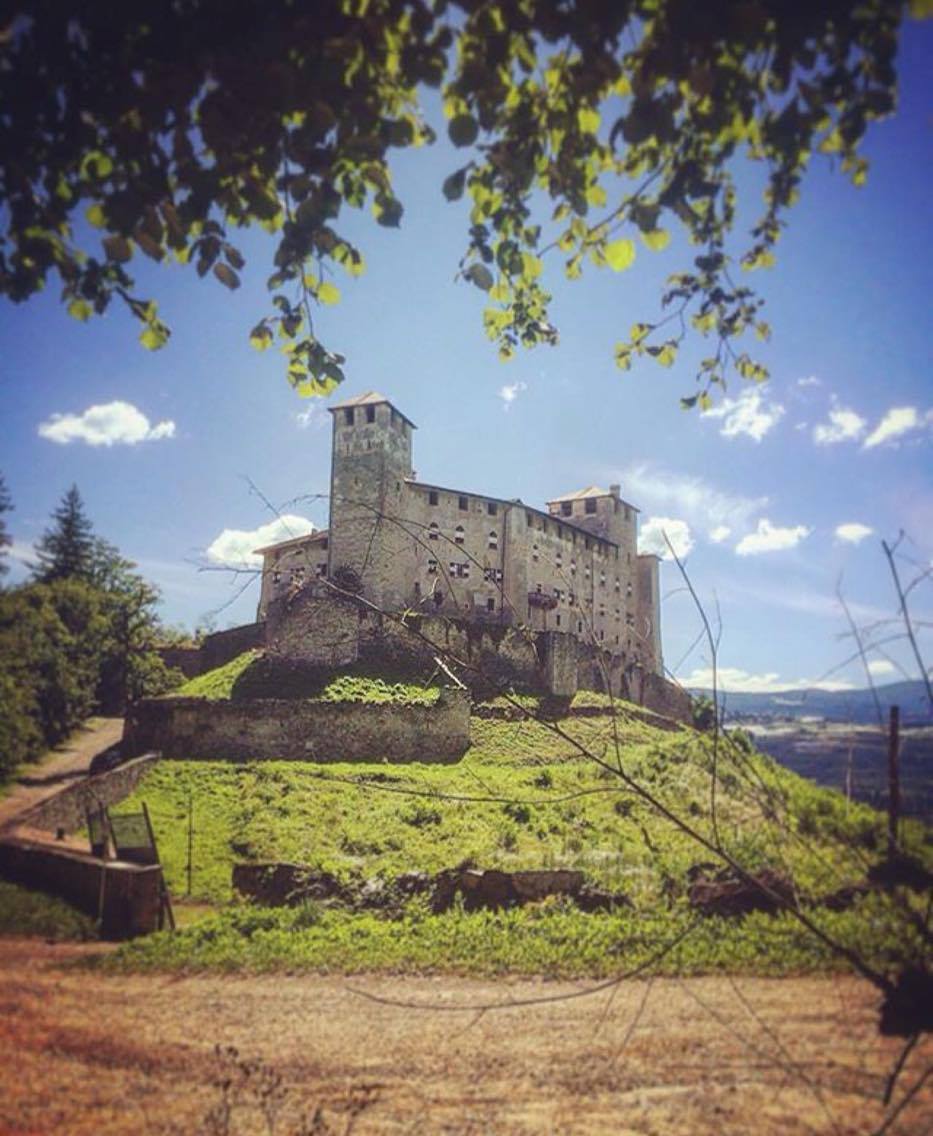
(314,537)
(590,491)
(369,398)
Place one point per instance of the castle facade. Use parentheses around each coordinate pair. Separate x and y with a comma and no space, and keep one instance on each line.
(407,545)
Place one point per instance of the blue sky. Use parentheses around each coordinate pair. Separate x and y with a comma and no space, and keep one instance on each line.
(838,442)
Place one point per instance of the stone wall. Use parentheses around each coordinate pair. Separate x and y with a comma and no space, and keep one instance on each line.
(68,809)
(126,896)
(295,730)
(658,694)
(222,646)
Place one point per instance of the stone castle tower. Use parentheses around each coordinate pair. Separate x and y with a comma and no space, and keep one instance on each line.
(370,465)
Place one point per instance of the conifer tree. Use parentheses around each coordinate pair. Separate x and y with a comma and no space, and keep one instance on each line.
(66,550)
(6,506)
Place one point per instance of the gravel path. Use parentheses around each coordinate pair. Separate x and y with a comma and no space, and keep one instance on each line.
(82,1053)
(67,762)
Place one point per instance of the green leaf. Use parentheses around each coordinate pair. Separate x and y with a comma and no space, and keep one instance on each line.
(463,130)
(620,255)
(667,355)
(388,211)
(454,185)
(96,164)
(95,214)
(261,337)
(226,276)
(657,239)
(480,275)
(623,356)
(117,248)
(588,120)
(154,336)
(80,310)
(328,293)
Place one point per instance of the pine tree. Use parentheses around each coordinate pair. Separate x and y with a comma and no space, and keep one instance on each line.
(66,549)
(6,506)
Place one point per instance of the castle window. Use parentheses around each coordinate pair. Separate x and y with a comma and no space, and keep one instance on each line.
(321,570)
(348,416)
(579,626)
(276,577)
(297,575)
(558,594)
(432,497)
(432,567)
(628,513)
(417,587)
(463,504)
(539,589)
(628,588)
(492,575)
(573,567)
(459,535)
(434,531)
(586,571)
(493,539)
(586,544)
(492,508)
(534,553)
(566,508)
(590,506)
(461,571)
(602,579)
(602,634)
(324,544)
(490,604)
(559,560)
(528,519)
(558,621)
(629,619)
(571,598)
(370,414)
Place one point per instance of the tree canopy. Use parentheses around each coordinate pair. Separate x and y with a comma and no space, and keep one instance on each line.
(65,551)
(589,130)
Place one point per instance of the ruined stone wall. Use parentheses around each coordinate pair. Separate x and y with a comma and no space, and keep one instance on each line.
(222,646)
(658,694)
(294,730)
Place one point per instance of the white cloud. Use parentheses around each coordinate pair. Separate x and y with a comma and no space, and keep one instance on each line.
(110,424)
(771,538)
(736,681)
(748,414)
(810,381)
(313,416)
(844,425)
(719,534)
(899,420)
(510,393)
(852,532)
(237,547)
(877,668)
(652,532)
(701,504)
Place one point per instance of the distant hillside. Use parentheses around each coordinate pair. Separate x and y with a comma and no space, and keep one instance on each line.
(855,706)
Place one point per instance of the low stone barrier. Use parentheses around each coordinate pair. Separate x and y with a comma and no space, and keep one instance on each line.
(68,808)
(125,895)
(267,729)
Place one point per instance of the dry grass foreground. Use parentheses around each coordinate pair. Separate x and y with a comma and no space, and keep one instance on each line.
(85,1053)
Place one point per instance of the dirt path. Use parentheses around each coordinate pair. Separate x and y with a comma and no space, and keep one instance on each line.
(81,1054)
(67,762)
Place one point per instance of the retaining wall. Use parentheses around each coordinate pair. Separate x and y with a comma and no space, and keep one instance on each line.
(68,808)
(127,895)
(295,730)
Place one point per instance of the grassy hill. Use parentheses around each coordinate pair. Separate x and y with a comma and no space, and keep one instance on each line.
(595,790)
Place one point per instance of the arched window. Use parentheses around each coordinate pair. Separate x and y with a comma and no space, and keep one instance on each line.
(459,535)
(493,539)
(433,531)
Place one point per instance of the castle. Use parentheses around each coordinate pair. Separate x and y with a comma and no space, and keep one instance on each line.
(571,575)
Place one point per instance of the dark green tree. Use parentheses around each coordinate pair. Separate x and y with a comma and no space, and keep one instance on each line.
(6,506)
(589,129)
(66,550)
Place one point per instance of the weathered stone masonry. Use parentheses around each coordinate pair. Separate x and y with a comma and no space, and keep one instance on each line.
(269,729)
(408,545)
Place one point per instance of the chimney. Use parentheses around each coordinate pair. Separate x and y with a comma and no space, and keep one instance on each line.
(615,491)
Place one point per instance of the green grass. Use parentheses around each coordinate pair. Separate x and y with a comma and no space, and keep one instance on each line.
(255,675)
(550,939)
(24,912)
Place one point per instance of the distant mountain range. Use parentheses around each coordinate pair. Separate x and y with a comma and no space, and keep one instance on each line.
(857,706)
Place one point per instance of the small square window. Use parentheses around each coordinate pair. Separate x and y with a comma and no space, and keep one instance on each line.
(492,508)
(370,414)
(590,505)
(566,508)
(348,416)
(463,504)
(432,567)
(558,621)
(490,604)
(432,497)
